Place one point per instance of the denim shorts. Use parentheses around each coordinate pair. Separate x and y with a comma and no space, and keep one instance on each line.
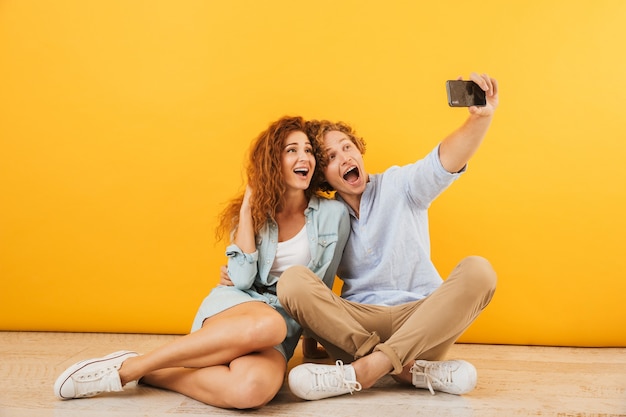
(222,298)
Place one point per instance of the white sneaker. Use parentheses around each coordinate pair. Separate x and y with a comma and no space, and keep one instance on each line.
(454,377)
(92,377)
(312,381)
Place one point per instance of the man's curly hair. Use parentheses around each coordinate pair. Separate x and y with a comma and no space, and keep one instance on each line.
(317,129)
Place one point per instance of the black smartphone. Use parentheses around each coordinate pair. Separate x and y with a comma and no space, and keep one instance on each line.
(465,94)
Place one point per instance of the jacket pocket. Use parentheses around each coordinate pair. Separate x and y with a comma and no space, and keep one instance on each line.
(326,244)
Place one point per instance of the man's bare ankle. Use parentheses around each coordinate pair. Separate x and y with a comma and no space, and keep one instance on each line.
(371,368)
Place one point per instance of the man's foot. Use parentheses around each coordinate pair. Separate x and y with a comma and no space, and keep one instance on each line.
(312,381)
(454,377)
(92,377)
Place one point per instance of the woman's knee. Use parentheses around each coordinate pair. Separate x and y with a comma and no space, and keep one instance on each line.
(256,389)
(254,395)
(256,324)
(267,329)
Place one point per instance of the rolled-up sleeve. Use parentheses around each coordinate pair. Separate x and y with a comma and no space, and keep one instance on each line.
(242,267)
(426,179)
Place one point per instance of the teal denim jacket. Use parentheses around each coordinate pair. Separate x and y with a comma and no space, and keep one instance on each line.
(327,227)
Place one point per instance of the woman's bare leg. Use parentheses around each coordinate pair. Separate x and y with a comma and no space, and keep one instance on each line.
(249,381)
(233,333)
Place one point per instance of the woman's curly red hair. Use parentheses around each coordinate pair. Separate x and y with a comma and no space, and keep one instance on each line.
(264,175)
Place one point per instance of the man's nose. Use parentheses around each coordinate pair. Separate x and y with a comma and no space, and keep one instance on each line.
(343,158)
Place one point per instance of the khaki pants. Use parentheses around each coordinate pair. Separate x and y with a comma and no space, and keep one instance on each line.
(423,329)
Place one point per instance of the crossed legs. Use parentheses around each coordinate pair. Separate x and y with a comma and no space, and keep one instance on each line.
(249,381)
(230,362)
(385,339)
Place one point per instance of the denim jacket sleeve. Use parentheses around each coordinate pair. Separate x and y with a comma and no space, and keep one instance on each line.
(343,233)
(242,267)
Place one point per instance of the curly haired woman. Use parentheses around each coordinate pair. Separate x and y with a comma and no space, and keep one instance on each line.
(236,355)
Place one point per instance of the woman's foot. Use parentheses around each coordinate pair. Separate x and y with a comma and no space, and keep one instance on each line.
(92,376)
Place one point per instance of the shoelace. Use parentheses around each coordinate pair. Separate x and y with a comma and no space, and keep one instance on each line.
(443,378)
(335,380)
(96,383)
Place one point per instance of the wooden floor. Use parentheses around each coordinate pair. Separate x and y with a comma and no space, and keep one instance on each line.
(513,381)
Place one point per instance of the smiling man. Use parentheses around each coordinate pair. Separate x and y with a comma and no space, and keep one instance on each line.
(395,315)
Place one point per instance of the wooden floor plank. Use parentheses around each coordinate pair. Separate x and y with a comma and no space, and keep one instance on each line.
(513,381)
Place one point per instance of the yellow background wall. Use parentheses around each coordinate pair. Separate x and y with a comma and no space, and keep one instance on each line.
(123,127)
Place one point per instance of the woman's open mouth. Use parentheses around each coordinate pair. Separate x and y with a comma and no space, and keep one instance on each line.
(301,171)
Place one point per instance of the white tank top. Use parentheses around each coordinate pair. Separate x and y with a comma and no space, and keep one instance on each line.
(294,251)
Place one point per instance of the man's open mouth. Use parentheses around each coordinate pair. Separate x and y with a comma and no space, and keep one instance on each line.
(352,175)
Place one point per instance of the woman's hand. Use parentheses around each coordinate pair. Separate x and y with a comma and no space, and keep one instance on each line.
(247,196)
(224,277)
